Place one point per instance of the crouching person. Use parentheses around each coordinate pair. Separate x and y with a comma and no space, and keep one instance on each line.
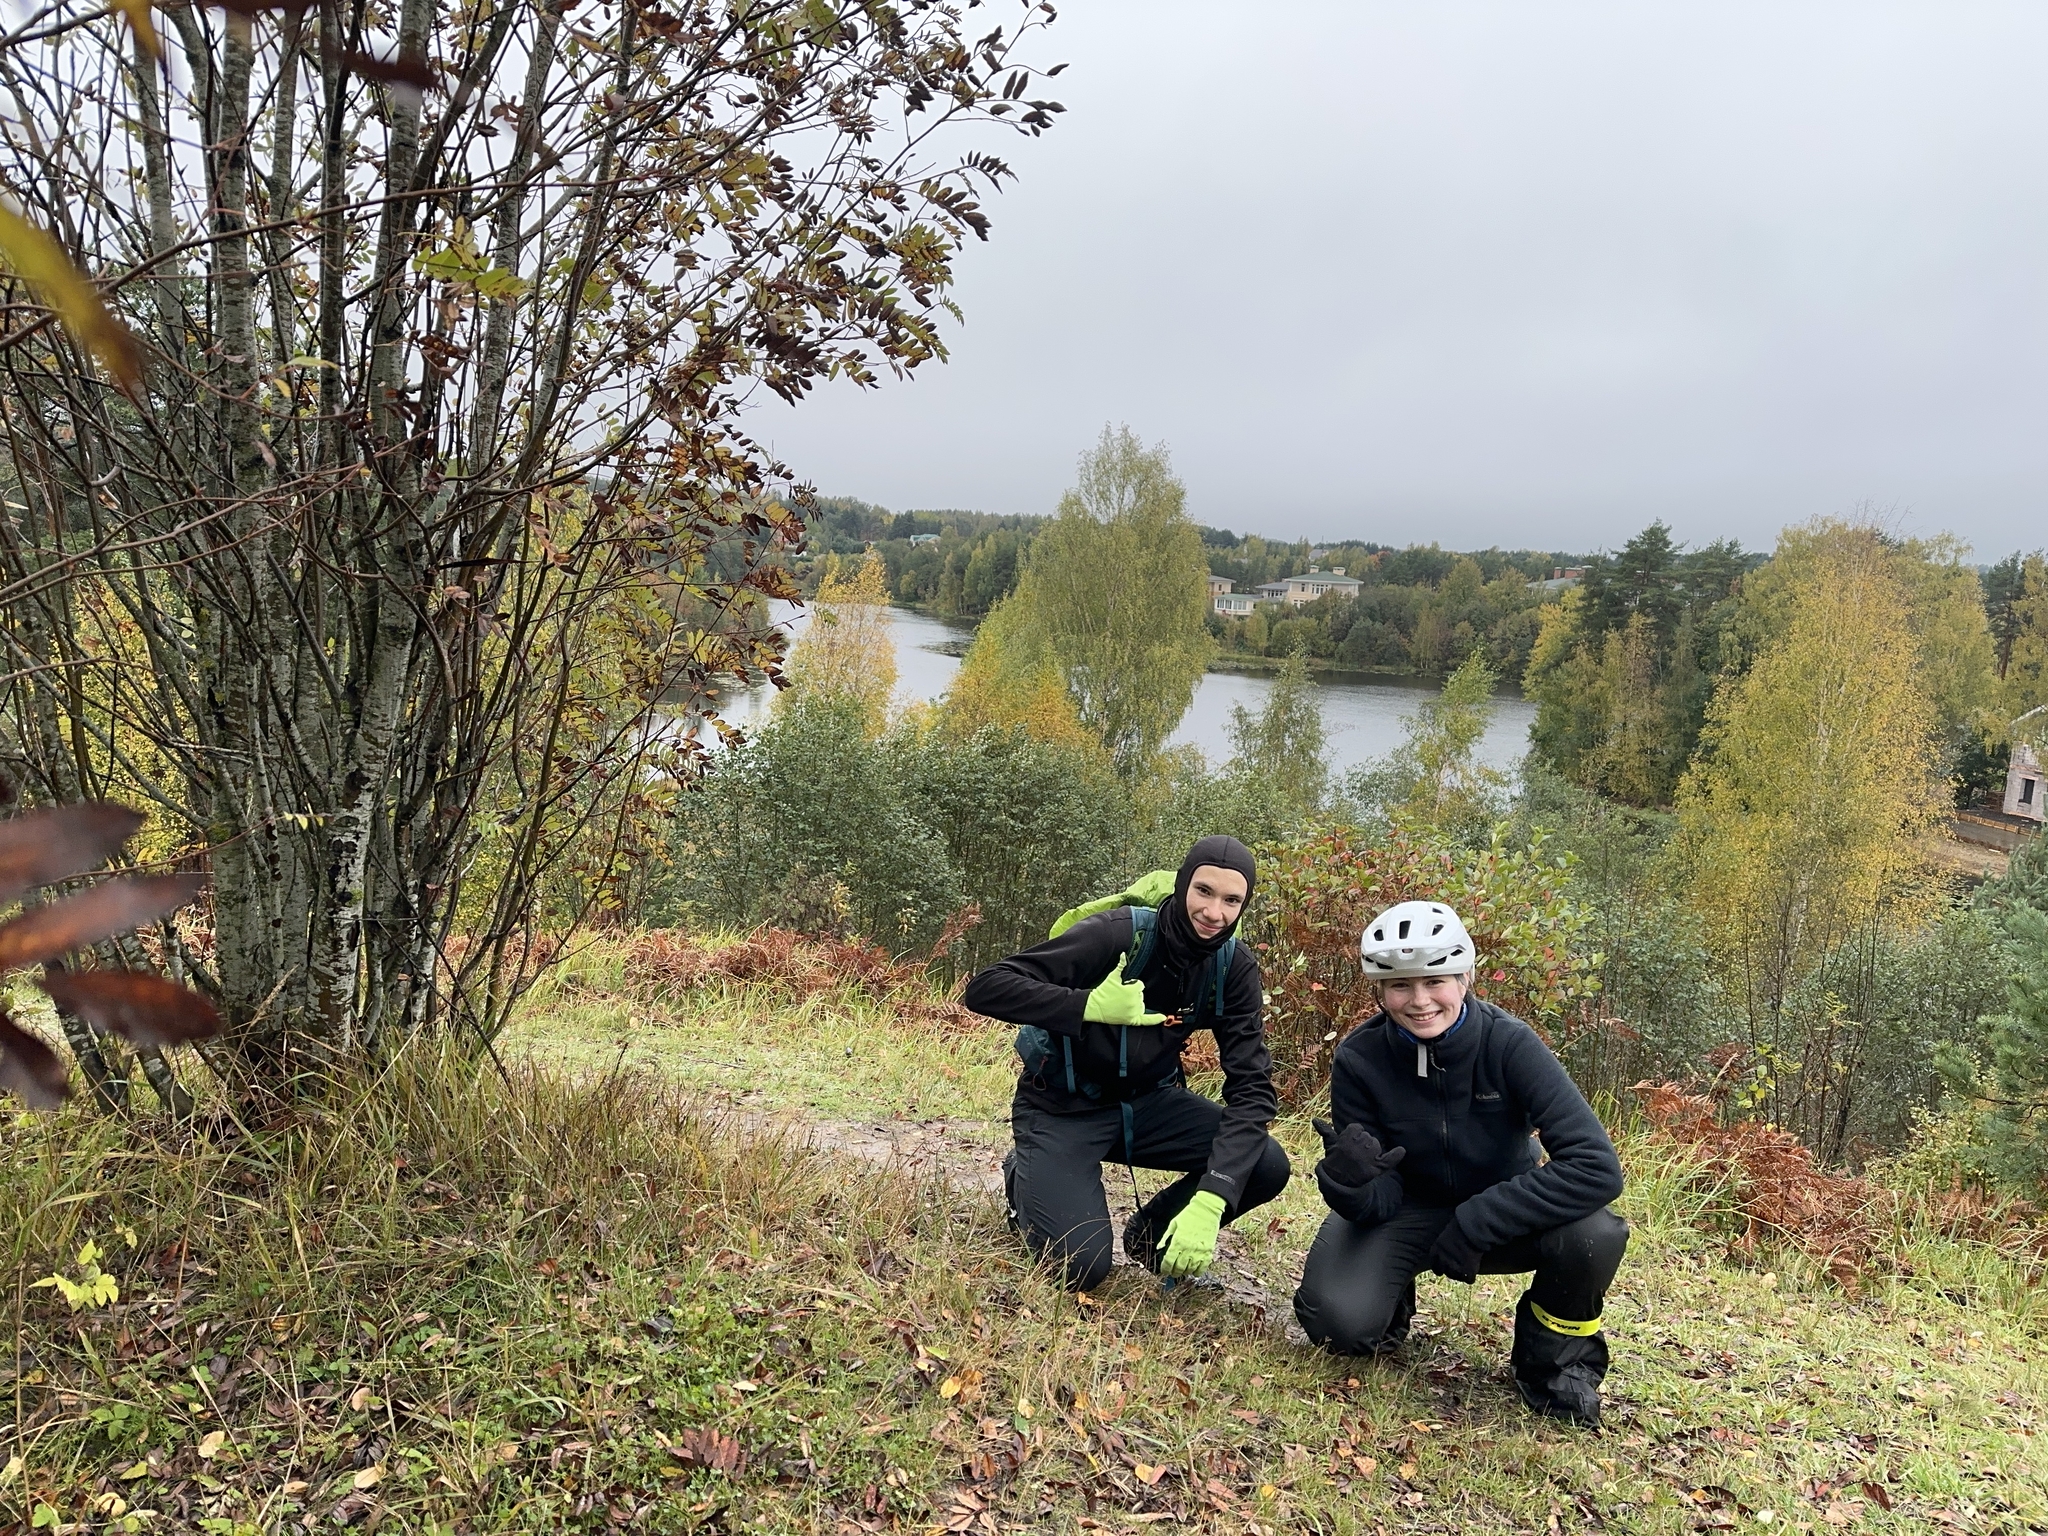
(1105,1008)
(1434,1168)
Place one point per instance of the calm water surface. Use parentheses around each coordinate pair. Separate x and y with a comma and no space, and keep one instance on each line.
(1363,719)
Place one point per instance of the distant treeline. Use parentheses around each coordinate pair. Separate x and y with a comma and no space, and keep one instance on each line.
(1422,609)
(957,563)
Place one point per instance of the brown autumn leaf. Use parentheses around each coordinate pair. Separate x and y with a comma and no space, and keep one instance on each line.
(62,841)
(405,69)
(709,1449)
(41,261)
(29,1069)
(115,906)
(139,1006)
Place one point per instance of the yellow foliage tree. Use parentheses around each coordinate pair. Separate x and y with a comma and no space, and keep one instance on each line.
(1008,680)
(1115,594)
(1797,823)
(2025,685)
(1938,594)
(846,651)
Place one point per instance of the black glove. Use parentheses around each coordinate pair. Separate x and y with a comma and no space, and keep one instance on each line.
(1453,1255)
(1355,1158)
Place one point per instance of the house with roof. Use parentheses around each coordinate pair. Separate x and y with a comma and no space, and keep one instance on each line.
(1562,578)
(1313,583)
(1225,599)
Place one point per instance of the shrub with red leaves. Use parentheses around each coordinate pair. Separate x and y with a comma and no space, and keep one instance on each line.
(1779,1194)
(665,960)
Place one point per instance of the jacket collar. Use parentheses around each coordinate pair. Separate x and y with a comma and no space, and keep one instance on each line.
(1451,1047)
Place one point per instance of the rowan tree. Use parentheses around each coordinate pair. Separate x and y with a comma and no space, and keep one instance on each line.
(432,480)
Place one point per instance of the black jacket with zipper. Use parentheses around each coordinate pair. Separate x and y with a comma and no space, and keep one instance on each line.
(1048,985)
(1465,1105)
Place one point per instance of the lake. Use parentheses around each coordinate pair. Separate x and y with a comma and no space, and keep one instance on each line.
(1364,719)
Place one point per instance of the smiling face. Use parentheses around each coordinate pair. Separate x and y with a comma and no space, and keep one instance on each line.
(1215,898)
(1425,1006)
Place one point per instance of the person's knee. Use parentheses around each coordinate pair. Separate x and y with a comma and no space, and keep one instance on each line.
(1594,1244)
(1605,1236)
(1269,1175)
(1344,1324)
(1087,1265)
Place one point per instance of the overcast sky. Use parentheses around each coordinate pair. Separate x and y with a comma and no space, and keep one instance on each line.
(1521,273)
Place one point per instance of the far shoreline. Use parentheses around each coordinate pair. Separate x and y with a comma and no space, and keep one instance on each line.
(1242,663)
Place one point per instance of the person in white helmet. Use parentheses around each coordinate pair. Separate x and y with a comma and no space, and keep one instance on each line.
(1437,1104)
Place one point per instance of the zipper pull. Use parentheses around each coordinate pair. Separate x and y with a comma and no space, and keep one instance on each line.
(1421,1059)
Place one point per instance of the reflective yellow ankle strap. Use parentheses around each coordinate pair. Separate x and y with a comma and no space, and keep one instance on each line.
(1563,1324)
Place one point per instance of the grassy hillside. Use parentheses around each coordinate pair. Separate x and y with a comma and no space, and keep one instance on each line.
(657,1279)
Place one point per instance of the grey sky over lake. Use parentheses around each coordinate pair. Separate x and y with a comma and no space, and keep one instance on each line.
(1519,273)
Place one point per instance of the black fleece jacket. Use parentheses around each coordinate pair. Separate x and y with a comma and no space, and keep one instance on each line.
(1466,1120)
(1048,985)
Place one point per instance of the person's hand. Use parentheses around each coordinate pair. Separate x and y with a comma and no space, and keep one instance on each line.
(1355,1157)
(1190,1238)
(1117,1001)
(1453,1256)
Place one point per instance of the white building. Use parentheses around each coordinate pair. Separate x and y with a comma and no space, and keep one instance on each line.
(1306,588)
(2026,785)
(1235,605)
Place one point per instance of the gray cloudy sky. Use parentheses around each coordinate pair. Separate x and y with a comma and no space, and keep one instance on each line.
(1521,273)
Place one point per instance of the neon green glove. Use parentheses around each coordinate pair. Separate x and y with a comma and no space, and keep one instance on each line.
(1118,1001)
(1191,1237)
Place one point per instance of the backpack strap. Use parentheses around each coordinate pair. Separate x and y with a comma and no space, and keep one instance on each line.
(1144,930)
(1226,952)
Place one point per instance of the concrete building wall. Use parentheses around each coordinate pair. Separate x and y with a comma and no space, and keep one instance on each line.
(2026,784)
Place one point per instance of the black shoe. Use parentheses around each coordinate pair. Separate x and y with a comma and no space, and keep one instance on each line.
(1571,1396)
(1558,1374)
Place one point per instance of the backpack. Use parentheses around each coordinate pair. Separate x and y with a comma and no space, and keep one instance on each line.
(1034,1044)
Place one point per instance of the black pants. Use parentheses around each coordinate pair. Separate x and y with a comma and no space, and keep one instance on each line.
(1358,1286)
(1055,1175)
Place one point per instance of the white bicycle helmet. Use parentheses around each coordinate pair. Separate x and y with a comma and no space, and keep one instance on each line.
(1416,938)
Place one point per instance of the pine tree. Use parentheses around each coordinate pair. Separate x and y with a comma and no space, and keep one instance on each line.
(2011,1099)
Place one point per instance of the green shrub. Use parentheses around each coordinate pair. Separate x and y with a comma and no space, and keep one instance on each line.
(2007,1097)
(1030,827)
(810,823)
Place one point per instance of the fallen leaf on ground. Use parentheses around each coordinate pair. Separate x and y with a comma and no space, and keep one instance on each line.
(709,1449)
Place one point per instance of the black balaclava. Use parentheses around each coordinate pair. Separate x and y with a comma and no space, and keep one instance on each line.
(1179,945)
